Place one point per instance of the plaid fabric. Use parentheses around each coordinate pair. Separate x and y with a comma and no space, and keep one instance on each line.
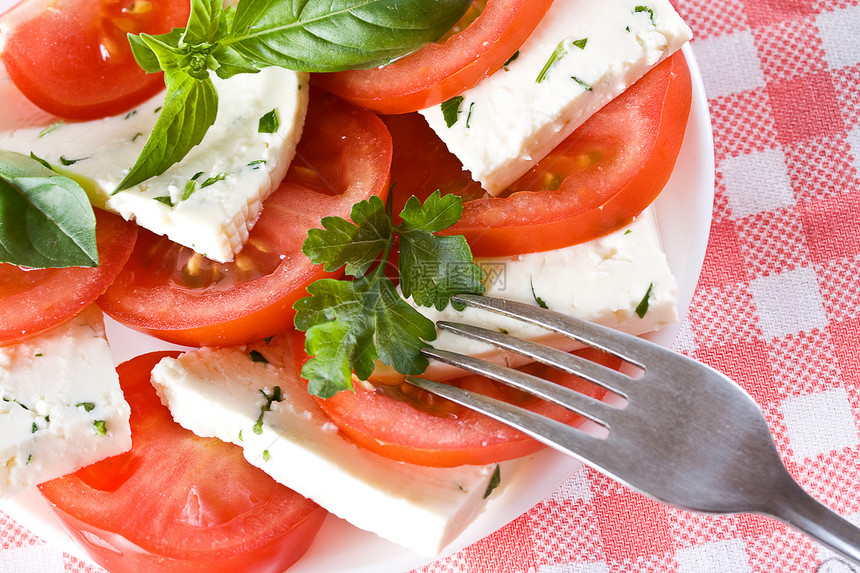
(777,308)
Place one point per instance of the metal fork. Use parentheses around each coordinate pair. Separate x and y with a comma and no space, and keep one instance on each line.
(687,436)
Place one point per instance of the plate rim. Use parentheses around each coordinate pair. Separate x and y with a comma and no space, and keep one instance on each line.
(32,512)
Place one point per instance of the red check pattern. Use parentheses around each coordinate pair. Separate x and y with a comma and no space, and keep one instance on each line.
(777,308)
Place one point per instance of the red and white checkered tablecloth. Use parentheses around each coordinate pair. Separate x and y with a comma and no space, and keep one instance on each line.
(777,308)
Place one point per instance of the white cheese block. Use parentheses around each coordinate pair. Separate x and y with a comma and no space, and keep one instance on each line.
(61,407)
(509,121)
(222,393)
(604,281)
(231,172)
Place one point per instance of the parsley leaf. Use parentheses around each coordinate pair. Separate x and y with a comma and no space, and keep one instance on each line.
(538,300)
(560,51)
(647,10)
(642,307)
(451,110)
(353,245)
(434,268)
(495,481)
(349,324)
(269,123)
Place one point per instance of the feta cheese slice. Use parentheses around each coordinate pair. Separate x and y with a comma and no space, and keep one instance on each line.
(224,393)
(605,280)
(61,407)
(581,56)
(211,199)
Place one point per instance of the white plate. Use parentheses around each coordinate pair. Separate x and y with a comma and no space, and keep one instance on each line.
(684,212)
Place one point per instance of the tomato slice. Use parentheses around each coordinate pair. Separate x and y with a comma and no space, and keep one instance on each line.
(405,423)
(72,57)
(596,181)
(177,502)
(19,112)
(171,292)
(477,47)
(34,300)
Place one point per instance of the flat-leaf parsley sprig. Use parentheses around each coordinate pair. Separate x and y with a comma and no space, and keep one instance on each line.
(299,35)
(351,323)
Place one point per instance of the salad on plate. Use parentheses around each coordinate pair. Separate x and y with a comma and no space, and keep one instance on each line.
(280,200)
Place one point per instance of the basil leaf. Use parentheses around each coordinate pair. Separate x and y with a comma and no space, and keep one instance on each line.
(190,108)
(229,63)
(208,26)
(333,35)
(156,53)
(300,35)
(204,22)
(143,54)
(46,220)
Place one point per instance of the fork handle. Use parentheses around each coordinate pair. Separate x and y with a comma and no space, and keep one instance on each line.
(806,514)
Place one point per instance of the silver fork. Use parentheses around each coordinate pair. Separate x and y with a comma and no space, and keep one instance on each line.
(687,436)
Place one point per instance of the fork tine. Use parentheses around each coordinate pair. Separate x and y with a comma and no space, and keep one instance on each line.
(625,346)
(607,378)
(690,437)
(584,405)
(573,441)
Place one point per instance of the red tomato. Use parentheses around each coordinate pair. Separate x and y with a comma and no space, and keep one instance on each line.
(596,181)
(177,502)
(402,422)
(72,57)
(477,47)
(34,300)
(18,111)
(177,295)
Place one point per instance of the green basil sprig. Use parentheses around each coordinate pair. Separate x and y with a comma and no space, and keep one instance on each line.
(46,220)
(300,35)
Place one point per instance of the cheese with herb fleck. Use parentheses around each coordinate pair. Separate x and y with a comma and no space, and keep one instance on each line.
(581,56)
(211,199)
(61,407)
(259,405)
(611,280)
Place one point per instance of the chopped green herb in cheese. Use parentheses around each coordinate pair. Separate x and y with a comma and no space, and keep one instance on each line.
(269,123)
(451,110)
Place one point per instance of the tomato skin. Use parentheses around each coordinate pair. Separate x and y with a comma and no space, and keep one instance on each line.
(440,71)
(257,325)
(343,157)
(35,300)
(18,111)
(636,139)
(180,503)
(439,433)
(72,57)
